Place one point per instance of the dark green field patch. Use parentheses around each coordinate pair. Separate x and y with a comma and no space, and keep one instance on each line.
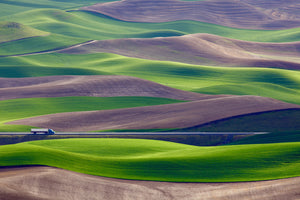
(286,120)
(36,71)
(274,137)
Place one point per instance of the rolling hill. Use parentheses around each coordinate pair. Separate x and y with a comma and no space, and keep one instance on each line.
(274,83)
(150,65)
(228,13)
(200,49)
(93,26)
(68,28)
(10,31)
(178,115)
(30,107)
(132,158)
(35,33)
(95,86)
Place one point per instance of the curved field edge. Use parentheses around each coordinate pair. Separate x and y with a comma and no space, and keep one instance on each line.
(159,161)
(29,107)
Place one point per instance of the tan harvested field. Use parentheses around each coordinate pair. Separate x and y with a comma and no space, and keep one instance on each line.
(278,14)
(97,86)
(33,183)
(200,49)
(177,115)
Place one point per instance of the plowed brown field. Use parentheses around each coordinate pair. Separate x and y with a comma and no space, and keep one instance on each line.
(201,49)
(177,115)
(252,14)
(36,183)
(98,86)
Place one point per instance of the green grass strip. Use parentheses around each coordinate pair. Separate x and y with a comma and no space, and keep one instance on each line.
(158,160)
(282,120)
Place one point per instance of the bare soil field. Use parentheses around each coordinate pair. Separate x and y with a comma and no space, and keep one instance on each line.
(33,183)
(178,115)
(251,14)
(200,49)
(97,86)
(284,11)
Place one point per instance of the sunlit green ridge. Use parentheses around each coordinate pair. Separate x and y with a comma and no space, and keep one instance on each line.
(159,161)
(15,31)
